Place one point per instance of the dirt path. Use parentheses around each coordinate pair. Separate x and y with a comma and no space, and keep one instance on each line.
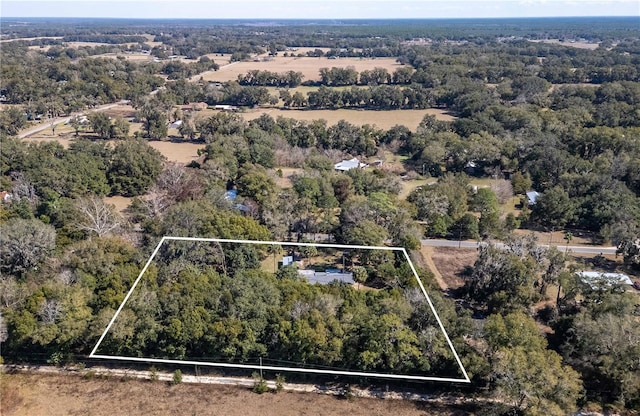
(426,252)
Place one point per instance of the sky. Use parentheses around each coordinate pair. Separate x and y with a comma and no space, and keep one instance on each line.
(314,9)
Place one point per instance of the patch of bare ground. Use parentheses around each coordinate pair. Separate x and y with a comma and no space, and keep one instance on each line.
(579,44)
(121,203)
(51,395)
(180,152)
(452,262)
(426,261)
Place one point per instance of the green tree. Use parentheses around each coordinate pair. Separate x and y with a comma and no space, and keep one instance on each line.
(12,120)
(466,227)
(503,280)
(521,183)
(101,125)
(532,378)
(554,208)
(486,203)
(604,349)
(134,167)
(154,120)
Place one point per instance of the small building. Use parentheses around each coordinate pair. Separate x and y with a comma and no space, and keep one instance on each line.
(287,261)
(347,165)
(600,279)
(326,277)
(225,107)
(532,197)
(176,124)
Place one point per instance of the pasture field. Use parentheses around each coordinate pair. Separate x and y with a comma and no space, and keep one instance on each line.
(310,67)
(572,44)
(383,119)
(29,39)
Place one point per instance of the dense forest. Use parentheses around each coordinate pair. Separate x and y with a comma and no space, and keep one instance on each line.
(527,115)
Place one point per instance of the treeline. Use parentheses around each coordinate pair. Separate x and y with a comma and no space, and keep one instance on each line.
(290,79)
(497,62)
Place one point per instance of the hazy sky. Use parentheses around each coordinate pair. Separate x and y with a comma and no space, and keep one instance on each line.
(325,9)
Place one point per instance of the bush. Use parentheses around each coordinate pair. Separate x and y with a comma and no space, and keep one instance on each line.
(154,376)
(89,374)
(279,382)
(177,377)
(260,384)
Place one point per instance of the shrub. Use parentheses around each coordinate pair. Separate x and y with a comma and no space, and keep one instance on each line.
(260,384)
(177,377)
(279,382)
(153,374)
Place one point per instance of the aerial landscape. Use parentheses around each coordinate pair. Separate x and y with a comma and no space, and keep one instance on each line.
(320,208)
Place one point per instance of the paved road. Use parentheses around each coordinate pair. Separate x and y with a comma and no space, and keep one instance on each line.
(48,124)
(474,244)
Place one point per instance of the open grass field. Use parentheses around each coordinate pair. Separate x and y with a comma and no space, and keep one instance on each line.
(310,67)
(177,152)
(410,186)
(173,151)
(573,44)
(52,395)
(28,39)
(381,119)
(451,263)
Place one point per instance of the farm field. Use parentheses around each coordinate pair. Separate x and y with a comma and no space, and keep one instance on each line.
(383,119)
(309,66)
(35,395)
(579,45)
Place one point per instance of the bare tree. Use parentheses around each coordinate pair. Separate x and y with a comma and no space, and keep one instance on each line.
(503,190)
(23,188)
(50,311)
(96,216)
(12,294)
(24,244)
(157,201)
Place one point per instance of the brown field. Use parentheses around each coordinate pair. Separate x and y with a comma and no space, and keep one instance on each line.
(451,262)
(310,67)
(138,57)
(51,395)
(381,119)
(575,44)
(173,151)
(27,39)
(177,152)
(121,203)
(287,173)
(410,186)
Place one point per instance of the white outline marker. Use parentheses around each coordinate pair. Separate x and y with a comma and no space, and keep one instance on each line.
(278,368)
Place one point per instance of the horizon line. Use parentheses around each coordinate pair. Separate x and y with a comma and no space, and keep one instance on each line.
(322,18)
